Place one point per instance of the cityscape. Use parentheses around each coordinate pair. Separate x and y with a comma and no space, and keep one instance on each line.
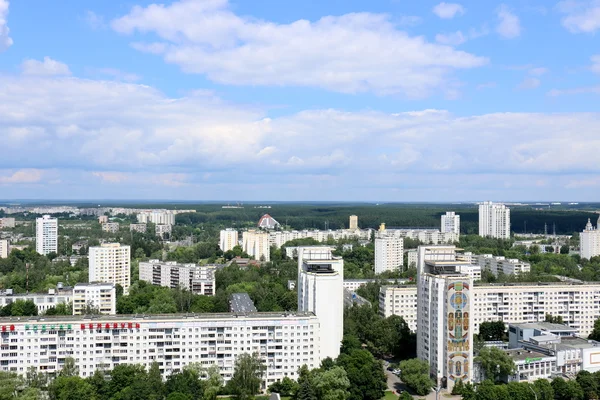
(262,200)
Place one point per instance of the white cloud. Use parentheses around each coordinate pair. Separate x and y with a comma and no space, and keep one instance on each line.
(580,16)
(22,176)
(452,39)
(115,74)
(448,10)
(595,64)
(5,40)
(538,71)
(509,25)
(46,67)
(352,53)
(94,20)
(529,83)
(579,90)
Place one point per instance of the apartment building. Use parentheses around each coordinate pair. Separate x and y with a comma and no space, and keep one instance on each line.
(4,248)
(101,297)
(320,291)
(589,240)
(353,284)
(426,236)
(7,222)
(162,230)
(256,244)
(102,219)
(279,238)
(110,263)
(284,342)
(228,239)
(198,279)
(499,264)
(141,228)
(163,217)
(43,301)
(353,223)
(399,300)
(494,220)
(450,223)
(46,235)
(111,227)
(389,253)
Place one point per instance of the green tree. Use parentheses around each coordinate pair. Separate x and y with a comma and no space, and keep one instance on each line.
(405,396)
(155,383)
(23,308)
(588,384)
(306,391)
(595,335)
(285,387)
(566,390)
(415,373)
(543,389)
(332,384)
(554,319)
(213,382)
(69,368)
(495,363)
(365,373)
(247,376)
(186,382)
(71,388)
(494,330)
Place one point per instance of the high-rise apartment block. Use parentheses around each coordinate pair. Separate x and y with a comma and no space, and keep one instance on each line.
(320,290)
(46,235)
(389,253)
(4,249)
(256,244)
(494,220)
(198,279)
(95,297)
(110,263)
(445,317)
(450,223)
(228,239)
(164,217)
(589,240)
(353,222)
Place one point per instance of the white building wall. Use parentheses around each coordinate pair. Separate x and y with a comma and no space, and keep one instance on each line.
(256,244)
(101,296)
(110,263)
(389,253)
(43,301)
(283,342)
(46,235)
(494,220)
(450,223)
(198,279)
(228,239)
(589,241)
(4,250)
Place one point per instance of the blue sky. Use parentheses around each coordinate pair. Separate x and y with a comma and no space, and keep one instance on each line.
(386,100)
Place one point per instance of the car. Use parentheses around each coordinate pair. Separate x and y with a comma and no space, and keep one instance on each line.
(397,372)
(390,368)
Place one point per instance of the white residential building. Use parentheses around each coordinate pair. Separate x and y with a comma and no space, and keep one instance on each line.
(7,222)
(427,236)
(389,253)
(141,228)
(111,227)
(589,240)
(99,296)
(228,239)
(412,258)
(162,230)
(399,300)
(353,284)
(279,238)
(110,263)
(494,220)
(256,244)
(198,279)
(284,342)
(320,290)
(4,248)
(444,318)
(102,219)
(499,264)
(43,301)
(353,222)
(162,217)
(46,235)
(450,223)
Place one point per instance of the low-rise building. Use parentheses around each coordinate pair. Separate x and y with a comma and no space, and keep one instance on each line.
(111,227)
(141,228)
(354,284)
(163,230)
(198,279)
(94,298)
(103,219)
(7,222)
(499,264)
(78,245)
(43,301)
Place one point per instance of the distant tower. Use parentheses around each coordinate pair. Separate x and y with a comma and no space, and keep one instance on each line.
(450,223)
(320,290)
(382,227)
(353,222)
(494,220)
(46,235)
(545,228)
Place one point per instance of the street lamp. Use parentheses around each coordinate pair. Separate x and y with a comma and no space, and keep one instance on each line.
(534,393)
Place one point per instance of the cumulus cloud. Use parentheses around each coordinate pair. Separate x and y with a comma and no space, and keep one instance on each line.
(448,10)
(5,40)
(115,74)
(580,16)
(509,25)
(94,20)
(351,53)
(21,176)
(453,39)
(46,67)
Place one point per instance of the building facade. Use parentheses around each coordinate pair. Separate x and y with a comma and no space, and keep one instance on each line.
(426,236)
(499,264)
(110,263)
(353,223)
(163,230)
(256,244)
(198,279)
(163,217)
(450,223)
(43,301)
(46,235)
(494,220)
(320,291)
(111,227)
(7,222)
(589,240)
(399,300)
(141,228)
(4,248)
(228,239)
(389,253)
(100,297)
(284,342)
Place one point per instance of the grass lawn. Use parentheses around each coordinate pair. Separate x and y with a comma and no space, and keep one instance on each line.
(390,396)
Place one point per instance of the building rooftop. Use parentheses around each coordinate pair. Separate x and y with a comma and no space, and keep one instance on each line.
(241,303)
(524,355)
(545,326)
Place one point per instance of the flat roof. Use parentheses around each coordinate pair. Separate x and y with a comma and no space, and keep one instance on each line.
(544,326)
(241,303)
(524,355)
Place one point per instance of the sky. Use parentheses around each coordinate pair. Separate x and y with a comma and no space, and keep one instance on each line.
(337,100)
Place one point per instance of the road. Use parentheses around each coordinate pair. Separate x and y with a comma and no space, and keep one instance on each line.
(396,385)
